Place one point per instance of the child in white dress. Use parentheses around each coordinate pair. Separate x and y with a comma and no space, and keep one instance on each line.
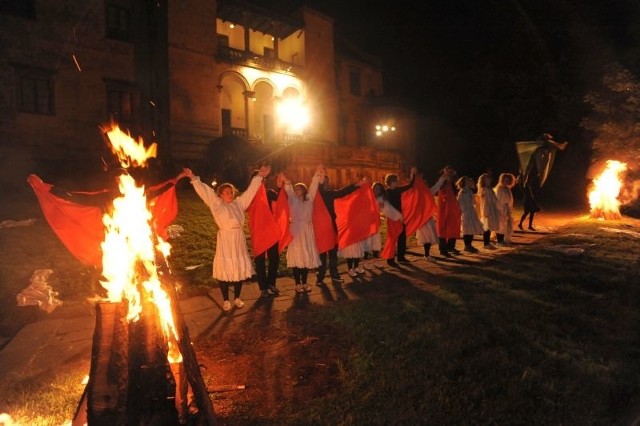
(231,262)
(489,214)
(471,224)
(505,208)
(302,252)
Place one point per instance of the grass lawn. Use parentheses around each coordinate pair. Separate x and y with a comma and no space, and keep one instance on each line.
(529,337)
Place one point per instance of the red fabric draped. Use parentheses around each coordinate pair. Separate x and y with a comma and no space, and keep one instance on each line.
(357,216)
(282,215)
(263,226)
(418,205)
(323,226)
(164,207)
(80,227)
(394,229)
(448,218)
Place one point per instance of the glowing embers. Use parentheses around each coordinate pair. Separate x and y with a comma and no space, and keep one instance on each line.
(605,189)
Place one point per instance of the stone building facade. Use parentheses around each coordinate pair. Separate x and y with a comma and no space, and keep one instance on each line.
(211,82)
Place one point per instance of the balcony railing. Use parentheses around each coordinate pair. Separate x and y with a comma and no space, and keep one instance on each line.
(243,57)
(235,131)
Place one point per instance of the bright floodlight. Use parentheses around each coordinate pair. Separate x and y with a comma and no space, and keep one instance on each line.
(385,128)
(293,114)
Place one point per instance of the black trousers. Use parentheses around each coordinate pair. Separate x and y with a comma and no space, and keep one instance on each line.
(267,276)
(333,264)
(402,243)
(224,289)
(445,245)
(300,275)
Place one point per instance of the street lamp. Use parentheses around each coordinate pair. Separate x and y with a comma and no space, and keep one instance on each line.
(383,129)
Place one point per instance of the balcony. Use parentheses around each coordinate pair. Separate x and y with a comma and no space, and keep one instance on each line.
(235,131)
(251,59)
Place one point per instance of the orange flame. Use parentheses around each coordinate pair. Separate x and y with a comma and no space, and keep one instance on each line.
(129,151)
(129,257)
(603,196)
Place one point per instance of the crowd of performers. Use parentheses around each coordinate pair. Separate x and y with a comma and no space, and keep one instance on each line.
(316,224)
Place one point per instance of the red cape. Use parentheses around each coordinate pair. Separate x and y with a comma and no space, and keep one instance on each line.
(263,226)
(448,218)
(394,229)
(323,226)
(80,227)
(282,215)
(357,216)
(418,205)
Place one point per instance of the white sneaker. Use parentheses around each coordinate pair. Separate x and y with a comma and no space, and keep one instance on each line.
(430,259)
(239,303)
(226,305)
(502,244)
(306,287)
(352,273)
(299,288)
(489,247)
(359,270)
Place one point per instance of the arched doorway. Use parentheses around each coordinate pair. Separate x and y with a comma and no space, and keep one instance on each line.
(263,113)
(233,107)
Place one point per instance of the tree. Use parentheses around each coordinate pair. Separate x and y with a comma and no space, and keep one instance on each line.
(614,118)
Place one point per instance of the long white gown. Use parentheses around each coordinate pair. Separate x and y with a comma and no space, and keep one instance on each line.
(471,224)
(489,214)
(231,261)
(302,251)
(505,209)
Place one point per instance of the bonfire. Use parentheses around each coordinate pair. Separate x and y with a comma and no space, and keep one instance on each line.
(605,190)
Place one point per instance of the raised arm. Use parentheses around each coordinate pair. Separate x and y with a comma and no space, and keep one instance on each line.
(247,196)
(315,182)
(436,186)
(203,190)
(412,177)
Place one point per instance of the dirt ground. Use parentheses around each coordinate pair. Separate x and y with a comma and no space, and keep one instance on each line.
(278,360)
(283,358)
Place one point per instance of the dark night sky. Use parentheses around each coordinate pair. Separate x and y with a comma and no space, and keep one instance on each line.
(489,71)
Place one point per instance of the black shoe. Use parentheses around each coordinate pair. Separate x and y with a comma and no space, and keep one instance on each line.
(471,249)
(265,293)
(445,254)
(403,260)
(531,228)
(392,263)
(273,290)
(455,251)
(520,226)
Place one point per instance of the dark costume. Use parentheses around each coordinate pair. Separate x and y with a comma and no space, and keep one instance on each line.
(394,196)
(329,196)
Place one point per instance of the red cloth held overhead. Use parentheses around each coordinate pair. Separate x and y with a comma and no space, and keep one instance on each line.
(79,227)
(323,226)
(357,216)
(394,229)
(263,226)
(282,214)
(418,205)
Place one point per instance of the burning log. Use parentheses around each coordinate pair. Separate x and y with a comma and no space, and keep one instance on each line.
(141,349)
(603,196)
